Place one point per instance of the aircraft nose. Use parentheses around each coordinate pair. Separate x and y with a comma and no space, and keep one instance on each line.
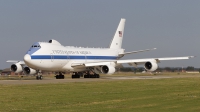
(27,58)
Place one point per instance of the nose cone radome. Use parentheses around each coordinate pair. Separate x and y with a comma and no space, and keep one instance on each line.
(27,58)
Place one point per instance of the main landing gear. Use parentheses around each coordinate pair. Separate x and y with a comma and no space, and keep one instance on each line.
(77,75)
(85,75)
(60,75)
(92,76)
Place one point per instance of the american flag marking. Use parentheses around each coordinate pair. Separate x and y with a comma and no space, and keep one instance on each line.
(120,33)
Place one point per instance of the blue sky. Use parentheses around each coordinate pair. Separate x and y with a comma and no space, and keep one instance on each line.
(172,26)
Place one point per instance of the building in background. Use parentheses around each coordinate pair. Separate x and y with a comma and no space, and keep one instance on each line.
(7,71)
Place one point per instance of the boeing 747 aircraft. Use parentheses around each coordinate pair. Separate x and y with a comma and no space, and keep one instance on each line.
(87,62)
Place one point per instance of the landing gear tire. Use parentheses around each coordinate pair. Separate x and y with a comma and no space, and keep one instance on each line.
(77,75)
(39,77)
(92,76)
(86,76)
(96,76)
(60,76)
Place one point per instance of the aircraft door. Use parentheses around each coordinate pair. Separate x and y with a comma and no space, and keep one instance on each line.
(67,58)
(52,57)
(85,57)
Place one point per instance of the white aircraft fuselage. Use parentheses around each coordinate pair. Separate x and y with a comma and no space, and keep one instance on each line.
(56,57)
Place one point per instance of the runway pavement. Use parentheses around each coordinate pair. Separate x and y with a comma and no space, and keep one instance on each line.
(48,80)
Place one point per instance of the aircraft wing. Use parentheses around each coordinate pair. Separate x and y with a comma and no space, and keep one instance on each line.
(157,59)
(135,62)
(132,62)
(90,64)
(16,61)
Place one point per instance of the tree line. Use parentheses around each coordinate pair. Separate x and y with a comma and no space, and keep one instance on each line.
(160,69)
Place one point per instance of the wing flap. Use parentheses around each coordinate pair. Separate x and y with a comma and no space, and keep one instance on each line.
(92,64)
(96,64)
(78,65)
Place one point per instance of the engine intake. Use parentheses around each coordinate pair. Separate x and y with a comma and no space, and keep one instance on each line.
(107,69)
(16,68)
(151,66)
(29,71)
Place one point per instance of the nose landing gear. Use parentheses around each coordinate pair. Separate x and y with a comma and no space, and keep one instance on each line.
(39,76)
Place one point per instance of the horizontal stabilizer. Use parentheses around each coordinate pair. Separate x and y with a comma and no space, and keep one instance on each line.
(137,51)
(16,61)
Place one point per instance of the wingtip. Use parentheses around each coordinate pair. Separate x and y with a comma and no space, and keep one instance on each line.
(192,56)
(12,61)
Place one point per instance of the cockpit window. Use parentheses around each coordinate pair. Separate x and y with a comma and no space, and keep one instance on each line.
(33,46)
(50,41)
(36,45)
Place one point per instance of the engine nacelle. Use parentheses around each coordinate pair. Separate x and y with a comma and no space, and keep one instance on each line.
(29,71)
(97,70)
(106,69)
(16,68)
(151,66)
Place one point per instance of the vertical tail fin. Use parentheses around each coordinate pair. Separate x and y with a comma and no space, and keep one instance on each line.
(116,42)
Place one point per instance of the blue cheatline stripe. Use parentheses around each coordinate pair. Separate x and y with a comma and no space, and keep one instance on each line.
(71,57)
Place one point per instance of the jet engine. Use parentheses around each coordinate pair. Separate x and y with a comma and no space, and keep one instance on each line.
(106,69)
(29,71)
(97,70)
(16,68)
(151,66)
